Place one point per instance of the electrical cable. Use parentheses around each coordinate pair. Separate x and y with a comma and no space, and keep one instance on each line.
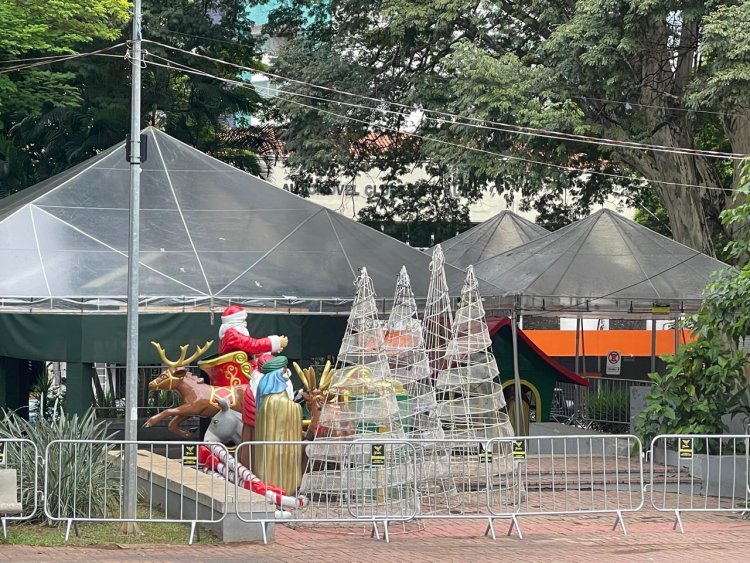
(191,70)
(604,100)
(476,122)
(61,58)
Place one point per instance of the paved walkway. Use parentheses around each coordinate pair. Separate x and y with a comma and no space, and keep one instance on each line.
(718,537)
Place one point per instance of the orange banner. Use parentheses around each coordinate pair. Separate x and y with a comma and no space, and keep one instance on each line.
(560,343)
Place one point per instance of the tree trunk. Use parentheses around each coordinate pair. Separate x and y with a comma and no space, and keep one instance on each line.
(737,128)
(693,212)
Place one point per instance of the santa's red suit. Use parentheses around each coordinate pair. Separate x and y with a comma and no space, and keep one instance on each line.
(234,337)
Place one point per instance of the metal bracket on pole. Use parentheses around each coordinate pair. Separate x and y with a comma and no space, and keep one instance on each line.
(143,151)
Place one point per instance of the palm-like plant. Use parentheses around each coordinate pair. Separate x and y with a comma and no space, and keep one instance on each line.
(82,479)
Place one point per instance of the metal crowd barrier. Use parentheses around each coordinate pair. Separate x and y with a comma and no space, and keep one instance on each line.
(557,475)
(171,487)
(357,482)
(459,479)
(699,473)
(19,480)
(382,481)
(376,481)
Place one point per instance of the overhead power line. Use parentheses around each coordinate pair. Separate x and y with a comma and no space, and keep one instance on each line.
(604,142)
(42,61)
(29,59)
(510,157)
(653,106)
(175,66)
(604,100)
(471,121)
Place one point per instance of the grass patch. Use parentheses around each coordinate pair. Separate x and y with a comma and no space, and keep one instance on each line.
(103,533)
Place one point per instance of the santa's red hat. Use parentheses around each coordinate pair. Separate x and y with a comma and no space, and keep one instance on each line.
(233,313)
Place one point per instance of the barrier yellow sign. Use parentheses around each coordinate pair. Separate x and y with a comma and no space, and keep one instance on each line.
(190,455)
(2,452)
(377,454)
(485,455)
(686,448)
(519,450)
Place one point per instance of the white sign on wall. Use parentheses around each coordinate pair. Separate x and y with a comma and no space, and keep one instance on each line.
(614,363)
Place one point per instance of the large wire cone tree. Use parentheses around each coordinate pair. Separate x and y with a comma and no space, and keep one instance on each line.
(362,404)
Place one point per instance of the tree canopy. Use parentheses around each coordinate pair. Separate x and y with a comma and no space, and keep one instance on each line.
(658,72)
(29,28)
(710,376)
(55,116)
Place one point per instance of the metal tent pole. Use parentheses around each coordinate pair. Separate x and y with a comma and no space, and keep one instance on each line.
(583,348)
(131,372)
(578,323)
(653,345)
(516,374)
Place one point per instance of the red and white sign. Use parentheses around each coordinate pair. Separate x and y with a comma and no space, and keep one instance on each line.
(614,363)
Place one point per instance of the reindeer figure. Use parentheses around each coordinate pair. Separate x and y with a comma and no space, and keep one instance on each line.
(196,397)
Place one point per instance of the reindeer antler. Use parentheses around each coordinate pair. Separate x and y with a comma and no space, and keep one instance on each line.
(302,375)
(199,351)
(181,361)
(312,377)
(307,376)
(325,378)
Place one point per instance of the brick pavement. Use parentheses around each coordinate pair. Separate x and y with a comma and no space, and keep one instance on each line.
(720,537)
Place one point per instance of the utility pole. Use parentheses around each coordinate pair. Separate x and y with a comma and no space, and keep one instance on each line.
(131,371)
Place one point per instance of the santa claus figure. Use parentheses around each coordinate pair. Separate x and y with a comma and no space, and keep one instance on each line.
(234,337)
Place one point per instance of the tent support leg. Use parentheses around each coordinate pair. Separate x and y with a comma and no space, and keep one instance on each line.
(516,377)
(653,345)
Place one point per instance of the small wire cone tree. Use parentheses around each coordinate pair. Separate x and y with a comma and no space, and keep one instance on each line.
(361,404)
(437,321)
(471,405)
(410,366)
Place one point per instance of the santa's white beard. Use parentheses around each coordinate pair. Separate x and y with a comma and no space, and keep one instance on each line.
(238,325)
